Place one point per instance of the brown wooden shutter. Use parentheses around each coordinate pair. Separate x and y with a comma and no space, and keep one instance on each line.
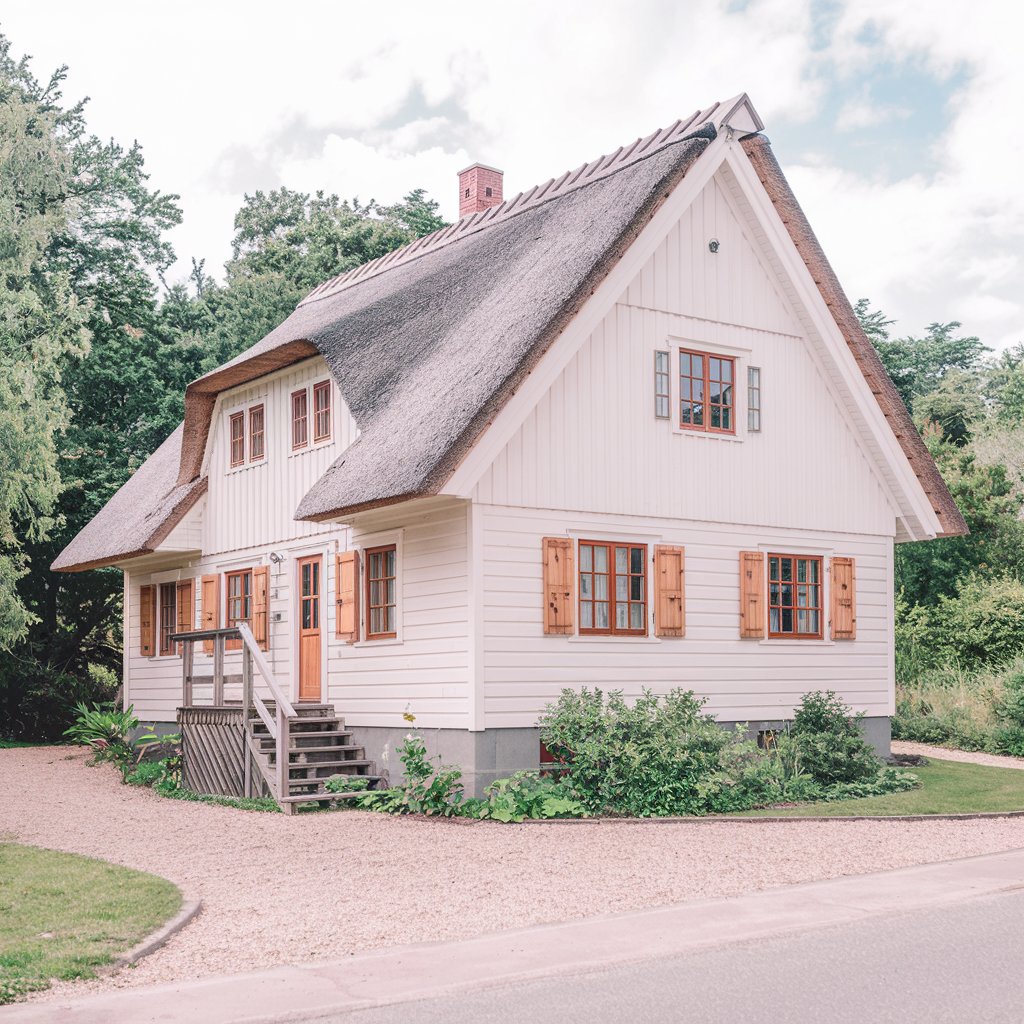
(844,599)
(752,594)
(261,606)
(559,585)
(186,607)
(669,591)
(346,596)
(209,611)
(147,621)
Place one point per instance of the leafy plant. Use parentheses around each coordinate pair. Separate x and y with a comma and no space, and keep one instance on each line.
(832,748)
(347,784)
(427,790)
(526,795)
(106,730)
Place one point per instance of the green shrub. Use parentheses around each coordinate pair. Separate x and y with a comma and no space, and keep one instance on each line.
(347,784)
(525,795)
(1009,705)
(427,790)
(658,756)
(105,730)
(831,746)
(983,624)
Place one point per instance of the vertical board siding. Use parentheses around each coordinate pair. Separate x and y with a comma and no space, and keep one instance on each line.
(742,679)
(255,503)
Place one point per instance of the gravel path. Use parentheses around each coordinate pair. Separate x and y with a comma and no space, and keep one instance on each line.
(282,889)
(948,754)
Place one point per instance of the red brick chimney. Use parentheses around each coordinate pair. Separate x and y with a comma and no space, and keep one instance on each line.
(479,188)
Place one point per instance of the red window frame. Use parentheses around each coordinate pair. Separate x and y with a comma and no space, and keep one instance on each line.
(589,584)
(380,598)
(300,419)
(236,437)
(321,411)
(168,617)
(794,603)
(696,382)
(257,434)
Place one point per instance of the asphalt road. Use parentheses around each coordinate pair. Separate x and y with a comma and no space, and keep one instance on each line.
(960,963)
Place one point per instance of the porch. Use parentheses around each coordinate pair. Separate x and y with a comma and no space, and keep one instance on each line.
(242,736)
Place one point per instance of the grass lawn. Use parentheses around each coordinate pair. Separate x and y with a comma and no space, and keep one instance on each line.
(947,787)
(62,915)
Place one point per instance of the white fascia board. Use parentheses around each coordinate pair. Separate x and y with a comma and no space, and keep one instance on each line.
(822,321)
(515,411)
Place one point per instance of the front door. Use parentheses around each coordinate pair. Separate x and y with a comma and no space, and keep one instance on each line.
(310,576)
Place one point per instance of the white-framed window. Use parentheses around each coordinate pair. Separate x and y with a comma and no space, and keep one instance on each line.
(662,386)
(754,399)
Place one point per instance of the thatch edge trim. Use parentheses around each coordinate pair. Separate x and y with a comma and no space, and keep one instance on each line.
(766,166)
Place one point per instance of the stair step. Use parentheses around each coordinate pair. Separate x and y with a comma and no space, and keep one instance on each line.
(321,756)
(304,725)
(297,787)
(331,764)
(318,797)
(268,744)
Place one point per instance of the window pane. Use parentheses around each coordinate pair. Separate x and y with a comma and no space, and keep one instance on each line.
(306,616)
(622,616)
(815,566)
(601,587)
(773,620)
(716,417)
(726,418)
(587,616)
(586,588)
(801,570)
(375,592)
(684,389)
(586,557)
(601,559)
(697,366)
(787,620)
(621,588)
(726,369)
(787,569)
(601,616)
(636,588)
(714,368)
(636,616)
(621,559)
(773,568)
(636,560)
(787,595)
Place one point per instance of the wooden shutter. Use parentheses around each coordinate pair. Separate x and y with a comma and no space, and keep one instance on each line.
(209,610)
(346,596)
(559,585)
(669,591)
(844,599)
(147,621)
(186,607)
(752,594)
(261,606)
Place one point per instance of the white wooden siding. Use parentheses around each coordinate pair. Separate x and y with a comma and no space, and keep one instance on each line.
(424,670)
(255,503)
(743,679)
(593,442)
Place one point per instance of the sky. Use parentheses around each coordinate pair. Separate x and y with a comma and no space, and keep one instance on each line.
(894,121)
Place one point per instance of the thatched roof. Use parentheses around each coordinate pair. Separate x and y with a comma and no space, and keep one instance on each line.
(139,516)
(427,343)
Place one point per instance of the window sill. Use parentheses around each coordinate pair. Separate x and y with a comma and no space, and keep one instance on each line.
(232,470)
(576,638)
(792,642)
(395,641)
(704,435)
(313,446)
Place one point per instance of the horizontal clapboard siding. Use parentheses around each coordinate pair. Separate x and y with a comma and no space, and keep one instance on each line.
(742,679)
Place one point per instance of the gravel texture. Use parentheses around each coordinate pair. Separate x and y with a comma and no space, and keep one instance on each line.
(279,889)
(948,754)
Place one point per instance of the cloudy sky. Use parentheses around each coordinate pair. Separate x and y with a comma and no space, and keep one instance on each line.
(892,120)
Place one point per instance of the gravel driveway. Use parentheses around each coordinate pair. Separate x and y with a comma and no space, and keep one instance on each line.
(279,889)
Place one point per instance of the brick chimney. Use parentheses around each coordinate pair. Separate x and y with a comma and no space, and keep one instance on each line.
(479,188)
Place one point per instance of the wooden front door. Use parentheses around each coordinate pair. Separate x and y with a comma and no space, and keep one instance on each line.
(310,581)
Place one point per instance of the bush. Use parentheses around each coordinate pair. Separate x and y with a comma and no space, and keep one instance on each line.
(526,795)
(658,756)
(831,746)
(105,730)
(427,790)
(38,701)
(983,624)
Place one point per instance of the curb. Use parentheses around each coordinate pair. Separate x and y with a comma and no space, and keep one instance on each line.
(189,910)
(722,819)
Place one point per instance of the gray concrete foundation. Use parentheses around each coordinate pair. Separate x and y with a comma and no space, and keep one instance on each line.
(497,753)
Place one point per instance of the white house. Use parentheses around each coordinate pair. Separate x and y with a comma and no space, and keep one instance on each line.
(622,430)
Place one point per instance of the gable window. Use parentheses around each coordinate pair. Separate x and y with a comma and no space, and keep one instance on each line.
(794,596)
(753,399)
(237,438)
(661,385)
(257,437)
(321,411)
(613,588)
(239,607)
(300,419)
(706,392)
(381,593)
(168,616)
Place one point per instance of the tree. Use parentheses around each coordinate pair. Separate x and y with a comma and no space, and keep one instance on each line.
(42,321)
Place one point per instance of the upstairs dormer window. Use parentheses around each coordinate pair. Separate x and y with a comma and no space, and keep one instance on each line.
(300,420)
(707,393)
(322,411)
(257,434)
(237,435)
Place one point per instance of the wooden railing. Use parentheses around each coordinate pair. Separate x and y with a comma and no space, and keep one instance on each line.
(277,720)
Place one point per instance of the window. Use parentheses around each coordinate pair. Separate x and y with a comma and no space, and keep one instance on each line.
(488,192)
(300,415)
(256,434)
(794,596)
(239,602)
(706,392)
(381,593)
(613,588)
(322,411)
(661,395)
(753,399)
(237,438)
(168,616)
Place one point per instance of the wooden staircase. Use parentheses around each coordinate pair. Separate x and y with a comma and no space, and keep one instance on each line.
(319,747)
